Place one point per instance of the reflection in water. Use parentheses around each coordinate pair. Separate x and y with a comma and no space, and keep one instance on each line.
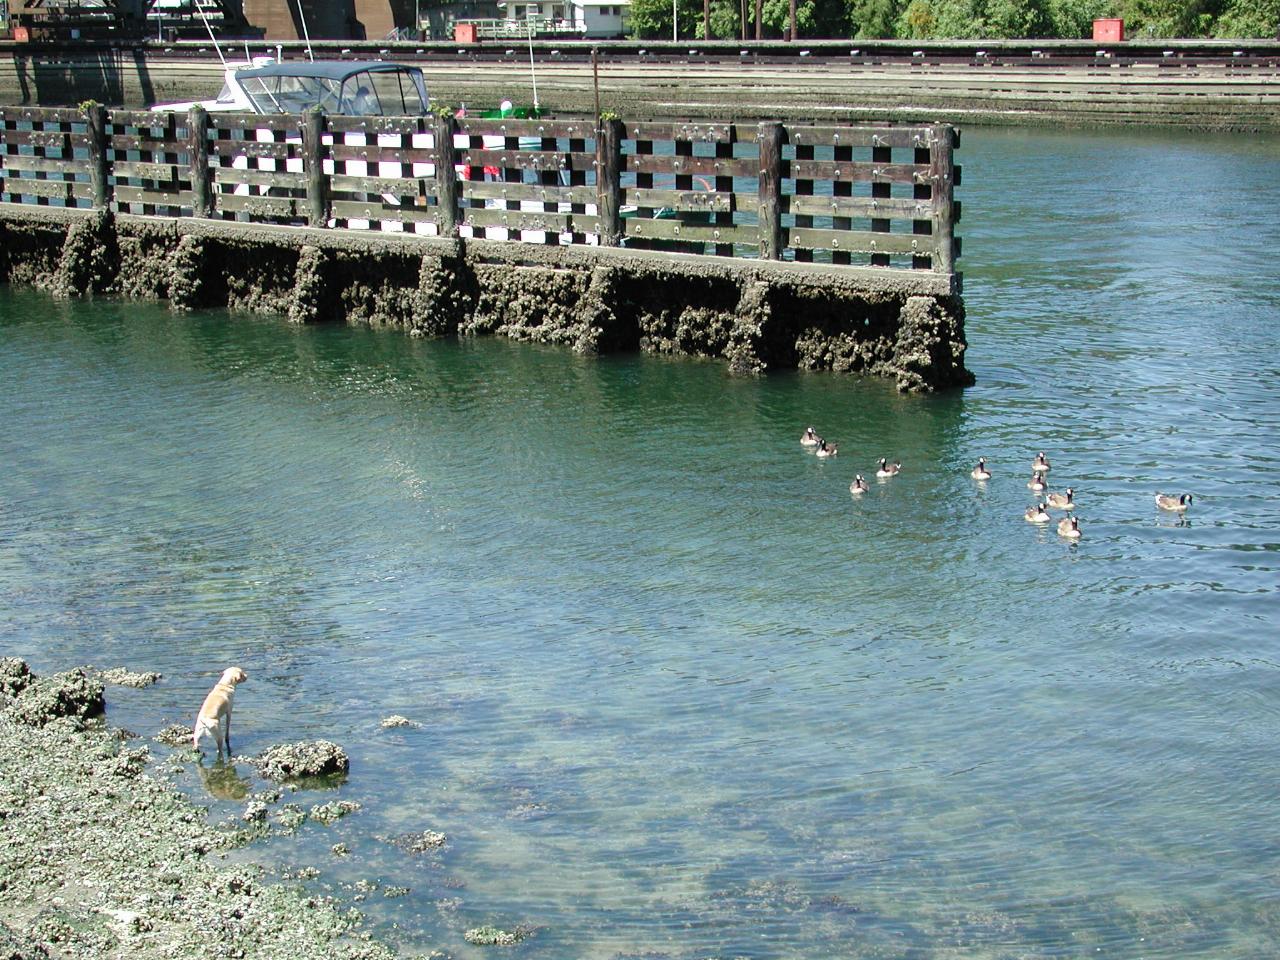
(221,781)
(678,691)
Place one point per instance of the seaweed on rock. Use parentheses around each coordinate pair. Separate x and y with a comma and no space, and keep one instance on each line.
(306,758)
(74,696)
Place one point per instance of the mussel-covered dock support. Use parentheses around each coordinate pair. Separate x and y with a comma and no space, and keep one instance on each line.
(768,245)
(755,315)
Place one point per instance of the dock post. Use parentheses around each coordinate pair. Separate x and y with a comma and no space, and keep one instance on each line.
(609,181)
(95,115)
(446,178)
(198,148)
(770,139)
(941,174)
(313,126)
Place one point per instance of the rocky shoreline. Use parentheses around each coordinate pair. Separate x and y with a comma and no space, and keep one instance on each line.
(99,858)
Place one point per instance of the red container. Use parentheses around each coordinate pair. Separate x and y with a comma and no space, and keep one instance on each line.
(21,35)
(1108,31)
(464,33)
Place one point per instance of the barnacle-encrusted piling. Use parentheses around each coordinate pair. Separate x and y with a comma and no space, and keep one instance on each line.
(755,315)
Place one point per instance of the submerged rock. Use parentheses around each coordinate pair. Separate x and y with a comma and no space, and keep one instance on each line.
(120,677)
(307,758)
(73,695)
(493,937)
(174,735)
(333,811)
(417,842)
(395,720)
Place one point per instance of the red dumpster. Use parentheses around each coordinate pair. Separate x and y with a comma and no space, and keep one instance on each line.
(464,33)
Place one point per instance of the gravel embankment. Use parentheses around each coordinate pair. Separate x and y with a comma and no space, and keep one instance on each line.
(99,859)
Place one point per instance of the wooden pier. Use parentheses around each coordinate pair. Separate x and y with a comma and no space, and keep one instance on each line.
(574,220)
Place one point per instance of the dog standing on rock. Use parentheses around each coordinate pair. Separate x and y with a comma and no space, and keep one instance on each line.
(215,713)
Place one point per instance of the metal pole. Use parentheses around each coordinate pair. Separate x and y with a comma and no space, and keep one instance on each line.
(532,74)
(595,80)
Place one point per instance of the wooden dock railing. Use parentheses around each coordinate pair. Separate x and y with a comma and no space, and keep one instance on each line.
(862,196)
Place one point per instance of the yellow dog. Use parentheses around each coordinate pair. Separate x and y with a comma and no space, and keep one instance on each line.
(215,713)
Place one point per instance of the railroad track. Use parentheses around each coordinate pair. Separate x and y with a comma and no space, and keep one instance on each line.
(1210,85)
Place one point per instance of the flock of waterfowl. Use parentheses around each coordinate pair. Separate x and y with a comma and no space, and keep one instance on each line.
(1068,526)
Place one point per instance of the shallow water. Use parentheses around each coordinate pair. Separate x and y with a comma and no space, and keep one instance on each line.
(681,695)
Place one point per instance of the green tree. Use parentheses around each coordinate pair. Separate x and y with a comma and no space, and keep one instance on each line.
(1249,18)
(777,17)
(726,19)
(942,20)
(1073,19)
(651,19)
(873,19)
(1015,19)
(1169,18)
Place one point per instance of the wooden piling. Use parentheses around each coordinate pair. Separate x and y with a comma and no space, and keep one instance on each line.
(95,115)
(198,149)
(446,181)
(770,138)
(608,181)
(313,125)
(943,180)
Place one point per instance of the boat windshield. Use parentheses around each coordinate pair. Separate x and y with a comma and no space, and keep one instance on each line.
(291,94)
(365,93)
(388,93)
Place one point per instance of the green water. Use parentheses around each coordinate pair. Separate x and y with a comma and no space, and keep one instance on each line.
(680,694)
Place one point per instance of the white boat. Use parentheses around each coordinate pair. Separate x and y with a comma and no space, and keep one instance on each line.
(363,88)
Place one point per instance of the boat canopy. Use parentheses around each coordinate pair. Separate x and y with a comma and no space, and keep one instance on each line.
(354,87)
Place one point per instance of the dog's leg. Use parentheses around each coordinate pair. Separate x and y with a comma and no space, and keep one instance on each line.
(227,735)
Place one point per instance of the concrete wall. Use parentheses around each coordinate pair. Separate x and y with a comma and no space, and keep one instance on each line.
(754,316)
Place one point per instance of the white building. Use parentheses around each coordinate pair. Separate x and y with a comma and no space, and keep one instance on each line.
(594,19)
(602,18)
